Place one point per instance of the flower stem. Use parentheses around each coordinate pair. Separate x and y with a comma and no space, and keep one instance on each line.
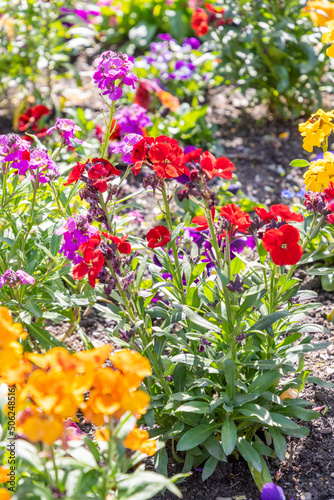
(108,130)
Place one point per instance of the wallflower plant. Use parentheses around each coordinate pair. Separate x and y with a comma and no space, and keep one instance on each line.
(212,313)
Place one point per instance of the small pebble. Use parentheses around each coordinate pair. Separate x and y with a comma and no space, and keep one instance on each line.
(332,474)
(306,496)
(224,498)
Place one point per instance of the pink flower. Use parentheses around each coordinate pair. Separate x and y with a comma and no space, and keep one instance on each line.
(65,128)
(112,72)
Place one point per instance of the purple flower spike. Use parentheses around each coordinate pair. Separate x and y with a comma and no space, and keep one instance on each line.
(126,146)
(272,492)
(113,70)
(132,120)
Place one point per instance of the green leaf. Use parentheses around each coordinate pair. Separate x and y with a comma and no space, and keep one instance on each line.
(268,320)
(279,443)
(320,271)
(256,412)
(143,485)
(231,371)
(249,454)
(46,340)
(321,383)
(196,436)
(264,381)
(214,448)
(141,270)
(263,477)
(197,319)
(299,163)
(229,436)
(176,232)
(161,462)
(209,467)
(200,407)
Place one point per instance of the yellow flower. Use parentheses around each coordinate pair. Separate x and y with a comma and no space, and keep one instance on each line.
(315,6)
(4,494)
(10,350)
(328,37)
(98,356)
(4,471)
(133,365)
(139,439)
(40,427)
(320,173)
(316,129)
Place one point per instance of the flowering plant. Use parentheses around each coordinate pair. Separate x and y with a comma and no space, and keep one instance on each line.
(45,392)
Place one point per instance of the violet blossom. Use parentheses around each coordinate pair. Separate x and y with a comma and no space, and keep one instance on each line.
(272,492)
(15,151)
(18,278)
(40,161)
(112,72)
(65,128)
(125,146)
(75,231)
(83,14)
(132,119)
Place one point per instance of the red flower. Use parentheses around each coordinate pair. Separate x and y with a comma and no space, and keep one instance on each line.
(93,260)
(264,215)
(145,93)
(199,22)
(162,154)
(31,116)
(330,218)
(285,213)
(283,245)
(202,221)
(159,236)
(329,192)
(122,245)
(219,167)
(101,171)
(239,219)
(75,174)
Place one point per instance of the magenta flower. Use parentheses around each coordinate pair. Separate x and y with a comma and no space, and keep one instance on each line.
(15,151)
(75,231)
(112,72)
(132,119)
(65,128)
(13,278)
(126,146)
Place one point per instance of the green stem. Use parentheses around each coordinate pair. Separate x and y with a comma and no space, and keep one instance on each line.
(54,190)
(30,221)
(108,130)
(56,153)
(4,185)
(174,249)
(55,468)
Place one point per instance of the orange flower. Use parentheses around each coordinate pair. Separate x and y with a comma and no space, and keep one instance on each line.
(10,349)
(40,427)
(168,100)
(139,439)
(4,471)
(317,8)
(133,365)
(102,434)
(15,375)
(4,494)
(57,358)
(96,356)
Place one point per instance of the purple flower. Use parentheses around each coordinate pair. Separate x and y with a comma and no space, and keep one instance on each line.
(166,37)
(65,128)
(113,70)
(126,146)
(272,492)
(192,41)
(75,231)
(83,14)
(132,119)
(301,193)
(15,151)
(198,237)
(25,278)
(239,245)
(13,278)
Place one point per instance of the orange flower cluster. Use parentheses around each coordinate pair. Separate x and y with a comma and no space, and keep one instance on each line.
(51,387)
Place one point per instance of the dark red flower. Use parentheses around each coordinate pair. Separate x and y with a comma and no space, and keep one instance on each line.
(122,245)
(93,260)
(75,174)
(240,220)
(199,22)
(31,117)
(285,213)
(101,171)
(145,93)
(264,215)
(162,154)
(283,245)
(159,236)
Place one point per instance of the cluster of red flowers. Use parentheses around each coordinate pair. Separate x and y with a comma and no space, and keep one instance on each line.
(159,236)
(30,120)
(99,171)
(166,158)
(93,260)
(279,238)
(201,19)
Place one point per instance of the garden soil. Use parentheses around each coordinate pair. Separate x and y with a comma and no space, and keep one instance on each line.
(261,149)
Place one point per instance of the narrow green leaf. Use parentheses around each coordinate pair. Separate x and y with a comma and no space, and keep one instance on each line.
(229,436)
(249,454)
